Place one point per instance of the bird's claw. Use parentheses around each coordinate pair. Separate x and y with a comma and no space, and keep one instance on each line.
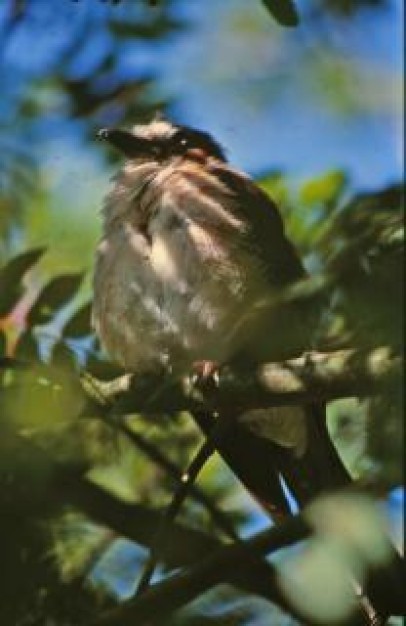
(205,373)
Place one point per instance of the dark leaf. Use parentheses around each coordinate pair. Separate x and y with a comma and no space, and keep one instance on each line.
(54,296)
(11,276)
(150,30)
(284,11)
(363,248)
(2,343)
(27,347)
(88,99)
(79,324)
(103,370)
(62,356)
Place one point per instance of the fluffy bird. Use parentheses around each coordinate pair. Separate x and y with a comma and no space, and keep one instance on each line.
(190,269)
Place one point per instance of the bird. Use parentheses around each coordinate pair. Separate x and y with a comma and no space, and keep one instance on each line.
(190,269)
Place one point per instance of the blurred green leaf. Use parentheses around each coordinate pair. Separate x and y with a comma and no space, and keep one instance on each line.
(323,190)
(55,295)
(274,184)
(363,254)
(11,276)
(41,397)
(316,580)
(354,521)
(284,11)
(79,323)
(77,544)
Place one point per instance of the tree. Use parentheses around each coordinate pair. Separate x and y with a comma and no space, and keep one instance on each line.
(87,465)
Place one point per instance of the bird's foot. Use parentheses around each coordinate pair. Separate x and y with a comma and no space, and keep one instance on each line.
(205,373)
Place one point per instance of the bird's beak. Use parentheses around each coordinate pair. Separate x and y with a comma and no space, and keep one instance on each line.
(130,145)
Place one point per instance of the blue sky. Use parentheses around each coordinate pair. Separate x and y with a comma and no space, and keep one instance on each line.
(267,93)
(293,130)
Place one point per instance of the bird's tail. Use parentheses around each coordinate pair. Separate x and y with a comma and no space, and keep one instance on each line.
(319,468)
(266,468)
(260,464)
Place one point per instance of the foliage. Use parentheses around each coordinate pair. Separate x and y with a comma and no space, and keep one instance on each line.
(73,484)
(44,431)
(284,11)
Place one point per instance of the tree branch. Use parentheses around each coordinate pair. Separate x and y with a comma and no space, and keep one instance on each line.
(313,377)
(157,456)
(180,589)
(185,546)
(208,561)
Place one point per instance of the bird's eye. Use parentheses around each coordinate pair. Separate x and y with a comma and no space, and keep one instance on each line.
(180,140)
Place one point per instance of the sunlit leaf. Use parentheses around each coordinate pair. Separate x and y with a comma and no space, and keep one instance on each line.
(323,190)
(317,582)
(41,397)
(356,523)
(55,295)
(11,276)
(284,11)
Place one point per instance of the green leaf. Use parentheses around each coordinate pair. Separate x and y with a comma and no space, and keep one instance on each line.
(11,276)
(275,186)
(79,324)
(323,190)
(54,296)
(284,11)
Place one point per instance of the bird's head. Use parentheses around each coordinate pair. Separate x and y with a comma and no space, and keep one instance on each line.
(161,140)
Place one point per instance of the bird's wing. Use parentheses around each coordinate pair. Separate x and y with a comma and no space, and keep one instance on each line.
(264,234)
(227,201)
(283,329)
(228,213)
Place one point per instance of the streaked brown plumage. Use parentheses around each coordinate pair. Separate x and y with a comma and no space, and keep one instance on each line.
(192,256)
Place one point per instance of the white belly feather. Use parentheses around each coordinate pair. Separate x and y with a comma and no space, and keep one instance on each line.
(169,297)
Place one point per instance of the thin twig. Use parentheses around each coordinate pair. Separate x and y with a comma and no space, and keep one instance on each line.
(219,518)
(219,431)
(155,454)
(188,478)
